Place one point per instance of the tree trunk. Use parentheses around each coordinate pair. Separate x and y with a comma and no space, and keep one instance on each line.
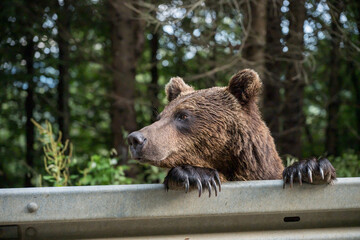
(254,48)
(29,107)
(271,95)
(354,77)
(154,87)
(63,87)
(211,81)
(127,42)
(294,84)
(356,84)
(333,105)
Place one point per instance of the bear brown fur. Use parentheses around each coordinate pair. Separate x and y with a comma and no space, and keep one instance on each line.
(215,135)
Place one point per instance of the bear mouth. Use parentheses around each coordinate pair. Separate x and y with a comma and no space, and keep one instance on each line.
(150,159)
(143,160)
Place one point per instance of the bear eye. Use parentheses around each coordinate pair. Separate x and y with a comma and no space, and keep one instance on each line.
(181,117)
(183,121)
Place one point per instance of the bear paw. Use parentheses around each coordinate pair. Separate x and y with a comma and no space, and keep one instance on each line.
(189,177)
(310,171)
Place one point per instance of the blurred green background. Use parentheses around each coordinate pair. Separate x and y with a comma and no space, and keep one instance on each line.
(96,70)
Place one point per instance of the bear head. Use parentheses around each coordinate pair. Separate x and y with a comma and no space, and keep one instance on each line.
(219,128)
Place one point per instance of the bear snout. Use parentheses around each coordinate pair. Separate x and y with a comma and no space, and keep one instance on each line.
(136,142)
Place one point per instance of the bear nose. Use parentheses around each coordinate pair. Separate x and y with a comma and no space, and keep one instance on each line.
(136,139)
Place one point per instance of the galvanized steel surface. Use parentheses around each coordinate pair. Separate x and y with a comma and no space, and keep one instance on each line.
(142,201)
(141,210)
(308,234)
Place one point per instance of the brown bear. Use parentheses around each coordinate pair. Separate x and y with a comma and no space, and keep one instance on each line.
(216,135)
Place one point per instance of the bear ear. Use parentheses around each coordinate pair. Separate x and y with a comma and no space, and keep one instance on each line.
(245,85)
(176,86)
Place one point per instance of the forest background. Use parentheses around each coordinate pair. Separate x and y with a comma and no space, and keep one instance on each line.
(95,70)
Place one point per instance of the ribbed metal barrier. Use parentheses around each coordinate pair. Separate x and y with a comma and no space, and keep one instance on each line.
(246,210)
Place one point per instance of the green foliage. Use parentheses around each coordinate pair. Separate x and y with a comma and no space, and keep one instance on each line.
(104,171)
(181,52)
(63,170)
(57,157)
(148,173)
(289,160)
(346,165)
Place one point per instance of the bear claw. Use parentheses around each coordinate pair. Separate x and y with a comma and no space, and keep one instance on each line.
(312,170)
(190,177)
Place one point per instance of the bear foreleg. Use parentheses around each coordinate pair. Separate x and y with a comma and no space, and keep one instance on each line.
(310,171)
(190,177)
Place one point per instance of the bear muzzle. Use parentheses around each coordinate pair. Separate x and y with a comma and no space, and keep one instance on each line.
(136,142)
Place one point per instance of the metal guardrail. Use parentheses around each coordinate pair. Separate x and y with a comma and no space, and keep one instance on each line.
(242,208)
